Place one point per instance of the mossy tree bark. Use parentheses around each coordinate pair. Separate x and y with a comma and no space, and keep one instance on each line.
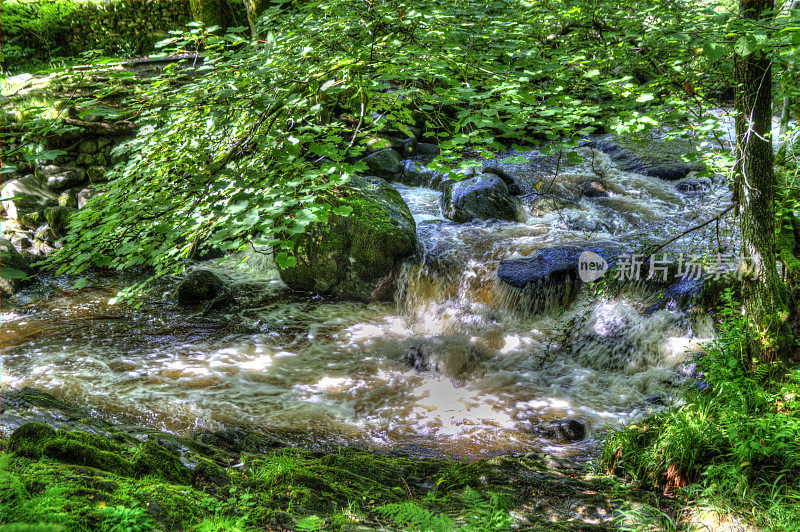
(209,12)
(254,9)
(763,294)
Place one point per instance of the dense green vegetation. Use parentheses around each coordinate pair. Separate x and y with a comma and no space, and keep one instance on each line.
(253,148)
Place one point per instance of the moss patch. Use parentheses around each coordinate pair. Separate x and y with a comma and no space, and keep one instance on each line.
(79,480)
(153,459)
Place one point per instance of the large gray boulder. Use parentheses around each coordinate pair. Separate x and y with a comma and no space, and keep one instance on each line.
(25,199)
(484,196)
(649,156)
(355,256)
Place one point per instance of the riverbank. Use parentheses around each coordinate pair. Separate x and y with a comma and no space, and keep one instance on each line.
(65,467)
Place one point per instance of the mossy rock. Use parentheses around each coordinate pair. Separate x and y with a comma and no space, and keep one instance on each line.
(58,219)
(95,440)
(175,507)
(154,460)
(71,451)
(355,256)
(29,439)
(207,471)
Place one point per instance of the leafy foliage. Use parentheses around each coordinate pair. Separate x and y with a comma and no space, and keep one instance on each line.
(248,149)
(736,436)
(415,518)
(123,519)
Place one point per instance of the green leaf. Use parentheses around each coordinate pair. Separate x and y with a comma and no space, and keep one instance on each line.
(342,210)
(284,260)
(745,45)
(46,155)
(7,272)
(712,50)
(80,283)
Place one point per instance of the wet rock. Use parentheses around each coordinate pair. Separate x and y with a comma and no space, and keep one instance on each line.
(561,431)
(513,188)
(65,180)
(97,174)
(355,256)
(416,174)
(22,241)
(236,441)
(694,187)
(408,146)
(207,471)
(58,219)
(68,198)
(656,400)
(84,159)
(43,172)
(88,146)
(30,198)
(16,271)
(379,143)
(452,356)
(427,149)
(484,196)
(593,189)
(45,234)
(29,439)
(680,295)
(549,278)
(548,265)
(650,156)
(69,451)
(384,163)
(153,459)
(200,286)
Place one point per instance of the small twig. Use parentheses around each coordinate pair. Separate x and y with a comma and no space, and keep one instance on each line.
(691,229)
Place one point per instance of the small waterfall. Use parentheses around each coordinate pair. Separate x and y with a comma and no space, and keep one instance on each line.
(461,361)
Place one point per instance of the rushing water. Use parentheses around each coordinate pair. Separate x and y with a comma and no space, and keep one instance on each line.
(339,372)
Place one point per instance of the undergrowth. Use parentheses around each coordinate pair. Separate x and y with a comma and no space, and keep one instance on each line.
(733,446)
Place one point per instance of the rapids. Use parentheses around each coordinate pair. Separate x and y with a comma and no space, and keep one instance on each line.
(338,372)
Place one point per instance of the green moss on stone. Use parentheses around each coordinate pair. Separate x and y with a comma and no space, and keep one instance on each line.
(153,459)
(207,471)
(73,452)
(29,439)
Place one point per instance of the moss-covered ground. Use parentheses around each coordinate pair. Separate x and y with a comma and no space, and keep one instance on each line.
(100,477)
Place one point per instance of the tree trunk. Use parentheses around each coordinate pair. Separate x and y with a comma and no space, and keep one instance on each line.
(762,290)
(787,102)
(209,12)
(254,9)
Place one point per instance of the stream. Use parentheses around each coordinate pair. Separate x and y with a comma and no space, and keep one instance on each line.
(320,371)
